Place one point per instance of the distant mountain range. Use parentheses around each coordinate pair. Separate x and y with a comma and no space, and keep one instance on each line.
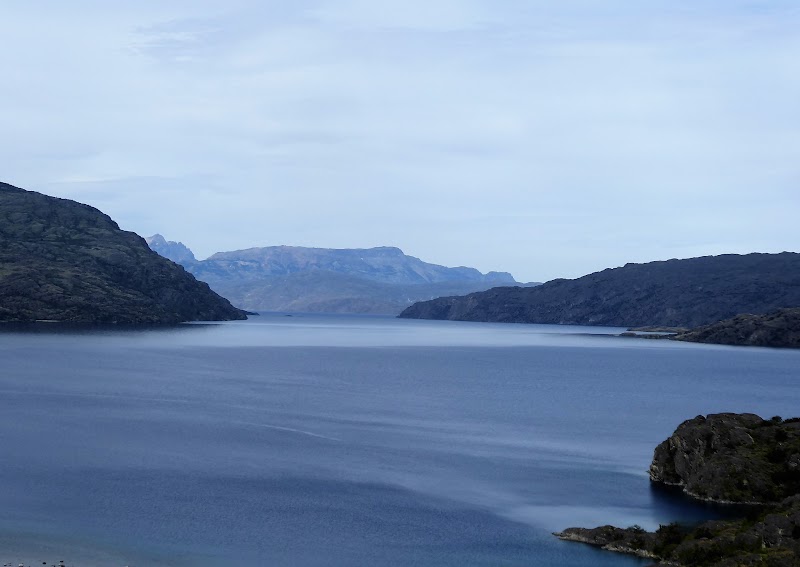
(676,293)
(175,251)
(68,262)
(380,280)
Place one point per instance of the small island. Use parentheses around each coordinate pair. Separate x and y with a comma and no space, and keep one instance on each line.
(726,458)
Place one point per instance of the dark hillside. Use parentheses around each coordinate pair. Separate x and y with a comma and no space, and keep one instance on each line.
(65,261)
(676,293)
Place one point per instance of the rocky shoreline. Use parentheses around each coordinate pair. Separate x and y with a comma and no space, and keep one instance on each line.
(780,329)
(725,458)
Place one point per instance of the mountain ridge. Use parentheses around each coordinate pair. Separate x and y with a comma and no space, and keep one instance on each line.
(689,293)
(379,280)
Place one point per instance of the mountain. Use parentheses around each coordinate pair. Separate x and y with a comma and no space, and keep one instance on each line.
(675,293)
(332,292)
(777,329)
(383,264)
(324,280)
(175,251)
(68,262)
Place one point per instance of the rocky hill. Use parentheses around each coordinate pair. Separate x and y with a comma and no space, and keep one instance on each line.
(737,458)
(68,262)
(730,457)
(380,280)
(675,293)
(777,329)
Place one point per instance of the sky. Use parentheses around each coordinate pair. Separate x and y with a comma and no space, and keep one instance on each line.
(545,138)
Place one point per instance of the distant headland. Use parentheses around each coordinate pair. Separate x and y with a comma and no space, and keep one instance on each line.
(706,295)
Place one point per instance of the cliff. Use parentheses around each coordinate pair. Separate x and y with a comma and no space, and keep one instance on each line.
(675,293)
(732,458)
(65,261)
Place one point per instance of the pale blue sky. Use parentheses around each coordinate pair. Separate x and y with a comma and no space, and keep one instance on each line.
(548,139)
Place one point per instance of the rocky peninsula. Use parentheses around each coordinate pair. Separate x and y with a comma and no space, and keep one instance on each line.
(729,458)
(780,328)
(63,261)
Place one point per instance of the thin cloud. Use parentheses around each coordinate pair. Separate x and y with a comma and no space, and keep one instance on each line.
(546,139)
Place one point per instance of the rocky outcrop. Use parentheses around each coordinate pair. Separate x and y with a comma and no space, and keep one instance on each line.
(734,458)
(633,540)
(777,329)
(68,262)
(675,293)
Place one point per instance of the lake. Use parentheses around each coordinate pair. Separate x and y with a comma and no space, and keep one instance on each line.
(310,441)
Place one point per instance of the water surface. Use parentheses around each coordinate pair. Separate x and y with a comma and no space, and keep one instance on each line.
(349,441)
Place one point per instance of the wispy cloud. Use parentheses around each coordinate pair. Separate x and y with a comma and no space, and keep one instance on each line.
(548,139)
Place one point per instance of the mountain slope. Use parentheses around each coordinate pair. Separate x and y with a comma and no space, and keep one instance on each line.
(687,293)
(323,280)
(320,291)
(65,261)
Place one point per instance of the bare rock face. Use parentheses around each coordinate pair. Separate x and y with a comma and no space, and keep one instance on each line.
(68,262)
(731,458)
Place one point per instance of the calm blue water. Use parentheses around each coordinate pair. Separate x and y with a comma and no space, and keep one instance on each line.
(336,441)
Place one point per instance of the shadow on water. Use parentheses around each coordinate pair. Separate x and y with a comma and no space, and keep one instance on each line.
(672,502)
(68,328)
